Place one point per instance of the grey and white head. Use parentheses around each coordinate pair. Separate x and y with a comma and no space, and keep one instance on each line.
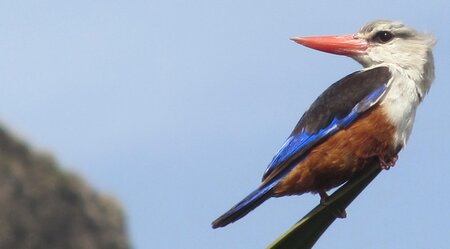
(382,42)
(392,42)
(379,42)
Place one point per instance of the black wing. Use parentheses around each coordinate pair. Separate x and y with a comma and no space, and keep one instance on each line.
(334,109)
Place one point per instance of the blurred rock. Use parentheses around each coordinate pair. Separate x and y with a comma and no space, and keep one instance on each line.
(43,207)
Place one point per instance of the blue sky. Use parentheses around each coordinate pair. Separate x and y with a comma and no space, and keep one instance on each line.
(176,107)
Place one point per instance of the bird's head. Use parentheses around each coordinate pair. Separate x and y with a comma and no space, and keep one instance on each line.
(378,42)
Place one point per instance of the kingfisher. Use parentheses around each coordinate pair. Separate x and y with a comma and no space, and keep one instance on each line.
(367,115)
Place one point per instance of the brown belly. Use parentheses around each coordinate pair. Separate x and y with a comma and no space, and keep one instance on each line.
(339,157)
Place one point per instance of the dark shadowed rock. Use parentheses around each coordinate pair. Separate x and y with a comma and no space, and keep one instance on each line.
(42,206)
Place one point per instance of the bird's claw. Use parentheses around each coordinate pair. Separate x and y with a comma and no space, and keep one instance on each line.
(339,213)
(387,164)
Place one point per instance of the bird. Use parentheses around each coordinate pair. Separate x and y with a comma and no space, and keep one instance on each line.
(367,115)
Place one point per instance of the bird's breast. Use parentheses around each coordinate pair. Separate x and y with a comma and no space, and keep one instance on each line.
(400,104)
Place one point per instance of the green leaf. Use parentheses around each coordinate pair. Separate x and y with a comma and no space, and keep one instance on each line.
(307,231)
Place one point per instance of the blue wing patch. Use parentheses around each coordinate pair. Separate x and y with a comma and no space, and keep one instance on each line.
(295,146)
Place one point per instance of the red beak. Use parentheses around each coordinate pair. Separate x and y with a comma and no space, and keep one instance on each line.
(342,45)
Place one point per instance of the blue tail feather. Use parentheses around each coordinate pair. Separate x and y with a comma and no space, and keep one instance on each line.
(253,200)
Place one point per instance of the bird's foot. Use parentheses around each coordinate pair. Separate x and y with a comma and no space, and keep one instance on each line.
(339,213)
(384,164)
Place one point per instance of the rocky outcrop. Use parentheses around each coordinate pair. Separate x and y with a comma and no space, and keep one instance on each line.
(41,206)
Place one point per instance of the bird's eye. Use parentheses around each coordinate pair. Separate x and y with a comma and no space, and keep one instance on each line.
(383,36)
